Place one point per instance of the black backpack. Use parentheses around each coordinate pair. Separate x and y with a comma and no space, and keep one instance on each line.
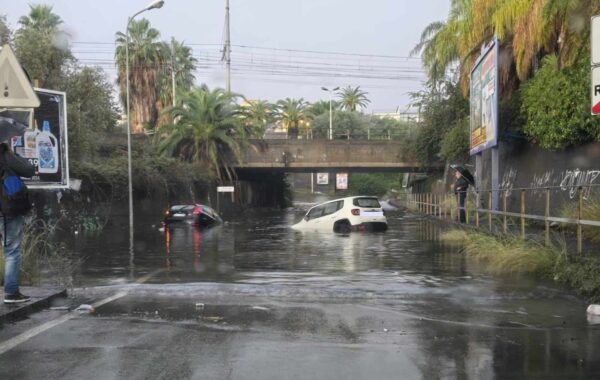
(14,195)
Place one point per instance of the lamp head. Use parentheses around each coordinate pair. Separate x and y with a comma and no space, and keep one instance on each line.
(155,4)
(324,89)
(335,89)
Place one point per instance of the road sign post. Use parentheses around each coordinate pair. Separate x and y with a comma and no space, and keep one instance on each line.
(595,39)
(595,48)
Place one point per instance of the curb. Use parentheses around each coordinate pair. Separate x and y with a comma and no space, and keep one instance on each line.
(41,298)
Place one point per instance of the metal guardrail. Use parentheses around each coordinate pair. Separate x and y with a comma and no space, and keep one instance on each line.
(445,205)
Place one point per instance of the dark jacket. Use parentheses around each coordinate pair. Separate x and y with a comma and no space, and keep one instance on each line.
(461,185)
(14,163)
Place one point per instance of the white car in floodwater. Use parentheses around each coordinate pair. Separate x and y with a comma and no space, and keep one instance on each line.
(344,215)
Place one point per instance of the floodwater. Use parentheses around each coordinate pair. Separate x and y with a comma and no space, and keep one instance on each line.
(425,309)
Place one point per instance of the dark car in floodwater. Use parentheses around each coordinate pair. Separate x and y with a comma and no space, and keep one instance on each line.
(194,214)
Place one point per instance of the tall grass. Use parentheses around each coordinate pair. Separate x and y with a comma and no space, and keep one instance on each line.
(504,255)
(590,211)
(41,257)
(513,255)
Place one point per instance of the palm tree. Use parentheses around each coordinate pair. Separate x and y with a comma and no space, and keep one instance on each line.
(292,113)
(5,32)
(352,98)
(181,61)
(147,62)
(527,29)
(205,127)
(256,116)
(41,18)
(42,47)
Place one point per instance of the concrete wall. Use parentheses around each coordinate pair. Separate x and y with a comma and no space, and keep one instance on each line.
(524,165)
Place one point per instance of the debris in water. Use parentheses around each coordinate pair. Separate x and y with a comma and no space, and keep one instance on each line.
(213,319)
(260,308)
(85,308)
(59,308)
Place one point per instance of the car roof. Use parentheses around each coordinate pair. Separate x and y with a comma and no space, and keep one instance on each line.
(342,199)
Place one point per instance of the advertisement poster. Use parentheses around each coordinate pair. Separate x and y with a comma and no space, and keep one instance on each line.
(341,181)
(484,101)
(322,178)
(44,142)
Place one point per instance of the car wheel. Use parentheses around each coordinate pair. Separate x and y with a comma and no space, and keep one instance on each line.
(342,227)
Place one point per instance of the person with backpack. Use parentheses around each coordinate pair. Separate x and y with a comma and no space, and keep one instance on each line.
(14,204)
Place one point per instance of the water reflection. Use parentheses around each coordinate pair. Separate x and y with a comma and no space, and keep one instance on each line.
(456,321)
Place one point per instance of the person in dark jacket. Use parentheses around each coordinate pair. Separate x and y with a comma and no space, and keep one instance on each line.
(460,189)
(12,228)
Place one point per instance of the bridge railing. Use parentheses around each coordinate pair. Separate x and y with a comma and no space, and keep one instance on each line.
(366,133)
(550,215)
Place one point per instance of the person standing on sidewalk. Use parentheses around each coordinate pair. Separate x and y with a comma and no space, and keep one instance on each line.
(11,226)
(460,189)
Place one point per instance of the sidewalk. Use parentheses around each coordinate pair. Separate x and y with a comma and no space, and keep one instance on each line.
(40,298)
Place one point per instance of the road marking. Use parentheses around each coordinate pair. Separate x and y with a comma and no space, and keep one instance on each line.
(25,336)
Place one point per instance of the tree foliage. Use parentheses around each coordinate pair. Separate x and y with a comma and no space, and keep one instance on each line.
(91,110)
(204,127)
(41,47)
(527,29)
(256,116)
(151,62)
(555,105)
(352,98)
(293,114)
(442,107)
(5,31)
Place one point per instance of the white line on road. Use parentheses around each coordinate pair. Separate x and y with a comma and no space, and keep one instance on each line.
(25,336)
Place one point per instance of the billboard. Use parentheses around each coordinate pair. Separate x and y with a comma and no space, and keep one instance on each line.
(484,100)
(322,178)
(341,181)
(44,142)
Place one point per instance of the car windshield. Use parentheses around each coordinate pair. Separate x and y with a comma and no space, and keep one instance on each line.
(366,202)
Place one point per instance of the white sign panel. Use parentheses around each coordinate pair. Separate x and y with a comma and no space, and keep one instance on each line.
(322,178)
(596,90)
(341,181)
(596,40)
(225,189)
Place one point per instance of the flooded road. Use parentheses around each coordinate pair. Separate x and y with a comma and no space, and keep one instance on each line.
(253,299)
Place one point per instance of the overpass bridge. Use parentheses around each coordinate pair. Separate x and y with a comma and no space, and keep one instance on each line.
(328,155)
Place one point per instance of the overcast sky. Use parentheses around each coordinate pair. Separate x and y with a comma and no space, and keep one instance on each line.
(281,48)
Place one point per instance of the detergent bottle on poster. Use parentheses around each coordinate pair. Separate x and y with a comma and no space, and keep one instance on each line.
(47,150)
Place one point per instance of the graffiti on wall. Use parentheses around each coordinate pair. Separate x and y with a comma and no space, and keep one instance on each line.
(572,179)
(508,180)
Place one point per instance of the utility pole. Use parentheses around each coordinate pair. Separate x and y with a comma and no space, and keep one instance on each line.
(227,48)
(173,68)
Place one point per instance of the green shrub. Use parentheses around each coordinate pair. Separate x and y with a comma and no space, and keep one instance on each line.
(455,144)
(556,105)
(376,184)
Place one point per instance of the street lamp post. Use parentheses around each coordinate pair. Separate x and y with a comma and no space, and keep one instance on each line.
(330,109)
(155,4)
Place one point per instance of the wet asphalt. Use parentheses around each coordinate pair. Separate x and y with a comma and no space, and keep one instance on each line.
(256,300)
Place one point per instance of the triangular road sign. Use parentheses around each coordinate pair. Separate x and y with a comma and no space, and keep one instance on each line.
(15,89)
